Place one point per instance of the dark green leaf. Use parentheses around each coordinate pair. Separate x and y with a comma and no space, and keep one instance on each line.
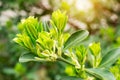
(9,71)
(110,57)
(101,74)
(29,57)
(76,38)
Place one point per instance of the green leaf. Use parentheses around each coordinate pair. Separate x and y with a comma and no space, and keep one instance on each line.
(76,38)
(70,78)
(44,40)
(45,26)
(20,69)
(9,71)
(29,57)
(101,74)
(59,20)
(95,48)
(81,52)
(110,57)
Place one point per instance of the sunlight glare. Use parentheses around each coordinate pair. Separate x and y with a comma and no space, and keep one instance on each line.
(83,5)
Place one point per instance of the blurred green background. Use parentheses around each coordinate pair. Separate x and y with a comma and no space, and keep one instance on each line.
(100,17)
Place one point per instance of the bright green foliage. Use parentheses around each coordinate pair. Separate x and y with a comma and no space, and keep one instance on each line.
(45,40)
(40,38)
(24,40)
(59,21)
(81,52)
(95,48)
(118,40)
(116,70)
(46,45)
(70,70)
(20,69)
(30,27)
(50,43)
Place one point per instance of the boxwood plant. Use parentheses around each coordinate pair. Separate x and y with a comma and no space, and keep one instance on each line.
(48,42)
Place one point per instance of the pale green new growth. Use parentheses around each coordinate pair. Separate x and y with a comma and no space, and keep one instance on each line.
(96,52)
(40,38)
(81,52)
(95,48)
(59,21)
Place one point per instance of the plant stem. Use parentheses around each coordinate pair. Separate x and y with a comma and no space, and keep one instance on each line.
(95,62)
(66,61)
(82,67)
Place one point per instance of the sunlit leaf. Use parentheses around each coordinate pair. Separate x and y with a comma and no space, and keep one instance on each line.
(59,20)
(95,48)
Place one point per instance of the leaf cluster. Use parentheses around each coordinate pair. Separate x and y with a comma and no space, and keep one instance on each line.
(49,43)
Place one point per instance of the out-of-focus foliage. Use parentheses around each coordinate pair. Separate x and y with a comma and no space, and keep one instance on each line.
(116,70)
